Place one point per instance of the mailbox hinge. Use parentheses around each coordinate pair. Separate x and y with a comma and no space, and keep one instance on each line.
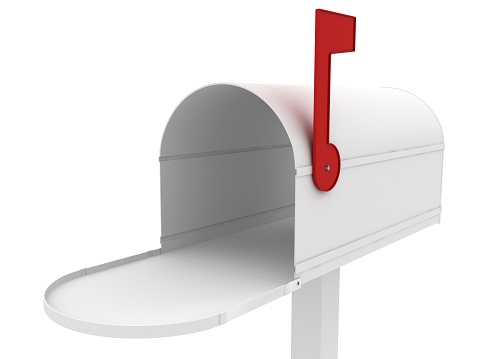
(292,286)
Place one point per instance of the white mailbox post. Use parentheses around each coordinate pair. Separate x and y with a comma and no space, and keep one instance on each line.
(243,222)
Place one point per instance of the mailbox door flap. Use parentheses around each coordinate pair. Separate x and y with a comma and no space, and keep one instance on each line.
(180,292)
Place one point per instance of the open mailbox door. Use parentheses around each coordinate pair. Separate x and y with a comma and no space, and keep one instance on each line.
(243,222)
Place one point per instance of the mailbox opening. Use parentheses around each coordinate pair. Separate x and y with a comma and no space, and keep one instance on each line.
(226,166)
(227,179)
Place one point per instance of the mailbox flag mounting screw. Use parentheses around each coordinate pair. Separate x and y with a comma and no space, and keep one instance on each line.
(335,33)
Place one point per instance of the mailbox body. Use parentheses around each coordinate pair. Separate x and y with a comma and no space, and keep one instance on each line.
(238,156)
(242,221)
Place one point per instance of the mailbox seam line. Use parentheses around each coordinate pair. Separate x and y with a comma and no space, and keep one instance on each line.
(175,236)
(223,152)
(386,156)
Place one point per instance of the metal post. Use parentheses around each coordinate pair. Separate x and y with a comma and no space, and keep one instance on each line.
(315,318)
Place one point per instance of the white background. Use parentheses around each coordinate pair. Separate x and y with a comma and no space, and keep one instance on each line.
(86,88)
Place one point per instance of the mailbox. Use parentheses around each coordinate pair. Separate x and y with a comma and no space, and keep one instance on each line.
(243,222)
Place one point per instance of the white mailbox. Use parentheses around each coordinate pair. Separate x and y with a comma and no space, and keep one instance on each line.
(242,221)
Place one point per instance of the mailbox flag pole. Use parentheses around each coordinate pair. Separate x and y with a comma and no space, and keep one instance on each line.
(335,33)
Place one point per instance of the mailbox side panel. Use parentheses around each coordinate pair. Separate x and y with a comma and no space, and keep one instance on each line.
(368,201)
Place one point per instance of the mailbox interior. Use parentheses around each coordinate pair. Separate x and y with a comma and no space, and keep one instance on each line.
(227,196)
(228,184)
(226,164)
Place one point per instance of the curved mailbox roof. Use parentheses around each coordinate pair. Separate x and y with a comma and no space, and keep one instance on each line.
(364,121)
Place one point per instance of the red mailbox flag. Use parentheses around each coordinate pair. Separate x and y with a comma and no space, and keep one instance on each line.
(335,33)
